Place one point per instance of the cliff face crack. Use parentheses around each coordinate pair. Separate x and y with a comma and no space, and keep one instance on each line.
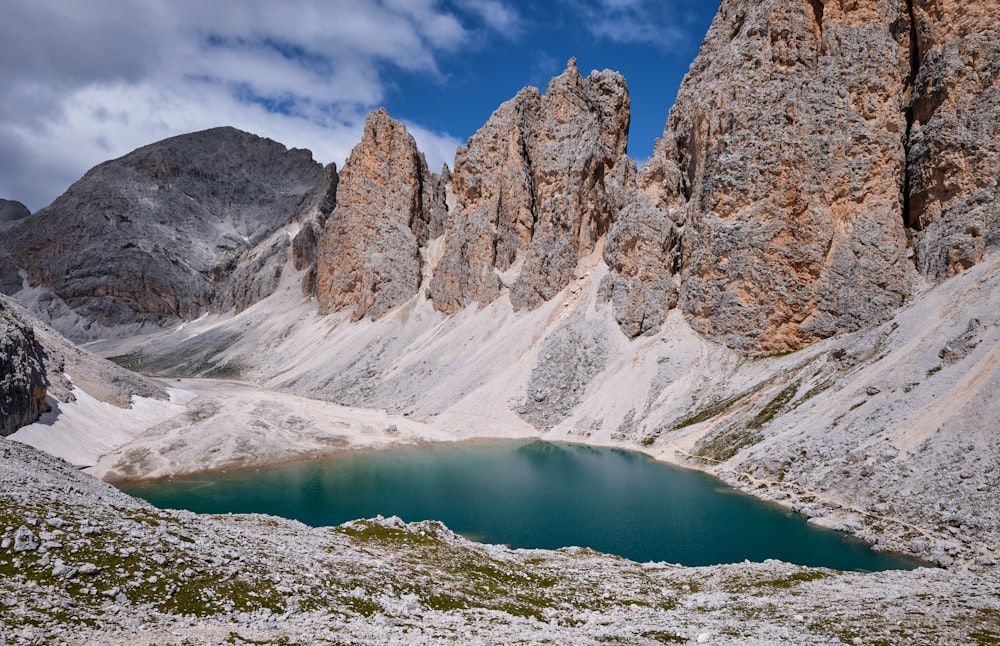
(910,88)
(817,8)
(529,173)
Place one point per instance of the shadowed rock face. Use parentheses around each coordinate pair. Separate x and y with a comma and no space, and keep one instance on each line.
(953,160)
(532,192)
(11,210)
(10,278)
(23,382)
(368,257)
(157,234)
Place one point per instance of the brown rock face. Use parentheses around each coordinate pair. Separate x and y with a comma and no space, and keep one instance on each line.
(532,192)
(782,161)
(368,258)
(954,147)
(640,251)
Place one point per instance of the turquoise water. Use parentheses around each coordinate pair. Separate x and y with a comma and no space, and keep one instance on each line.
(531,494)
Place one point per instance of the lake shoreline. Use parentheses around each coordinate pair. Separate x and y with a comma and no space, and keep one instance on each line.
(531,494)
(228,426)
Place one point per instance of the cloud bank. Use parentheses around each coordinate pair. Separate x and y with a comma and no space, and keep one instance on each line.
(85,82)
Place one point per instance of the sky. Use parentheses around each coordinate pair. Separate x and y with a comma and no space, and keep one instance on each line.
(84,82)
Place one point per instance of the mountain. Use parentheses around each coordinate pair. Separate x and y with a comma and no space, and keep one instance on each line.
(755,301)
(191,224)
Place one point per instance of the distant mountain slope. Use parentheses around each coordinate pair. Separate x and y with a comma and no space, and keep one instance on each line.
(163,233)
(12,210)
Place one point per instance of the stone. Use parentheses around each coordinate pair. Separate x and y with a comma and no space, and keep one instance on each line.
(62,571)
(960,346)
(23,379)
(531,192)
(368,258)
(25,540)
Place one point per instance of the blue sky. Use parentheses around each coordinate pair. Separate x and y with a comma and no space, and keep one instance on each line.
(85,82)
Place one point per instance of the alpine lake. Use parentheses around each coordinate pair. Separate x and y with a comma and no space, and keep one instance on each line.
(531,494)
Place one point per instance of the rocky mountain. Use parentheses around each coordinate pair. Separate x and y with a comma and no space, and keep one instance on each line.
(800,160)
(534,192)
(368,256)
(183,226)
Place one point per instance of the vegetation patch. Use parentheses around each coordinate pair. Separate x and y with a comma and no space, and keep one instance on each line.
(707,413)
(724,445)
(774,406)
(131,361)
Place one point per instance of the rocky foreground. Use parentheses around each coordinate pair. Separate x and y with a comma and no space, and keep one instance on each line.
(85,564)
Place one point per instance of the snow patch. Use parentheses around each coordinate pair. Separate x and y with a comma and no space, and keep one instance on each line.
(82,431)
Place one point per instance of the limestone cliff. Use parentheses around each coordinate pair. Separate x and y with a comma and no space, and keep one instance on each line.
(23,382)
(811,144)
(368,256)
(532,192)
(954,140)
(783,159)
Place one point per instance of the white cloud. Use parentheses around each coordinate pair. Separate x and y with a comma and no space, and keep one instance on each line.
(85,82)
(500,16)
(657,23)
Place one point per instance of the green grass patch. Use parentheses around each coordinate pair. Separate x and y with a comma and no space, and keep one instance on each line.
(774,407)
